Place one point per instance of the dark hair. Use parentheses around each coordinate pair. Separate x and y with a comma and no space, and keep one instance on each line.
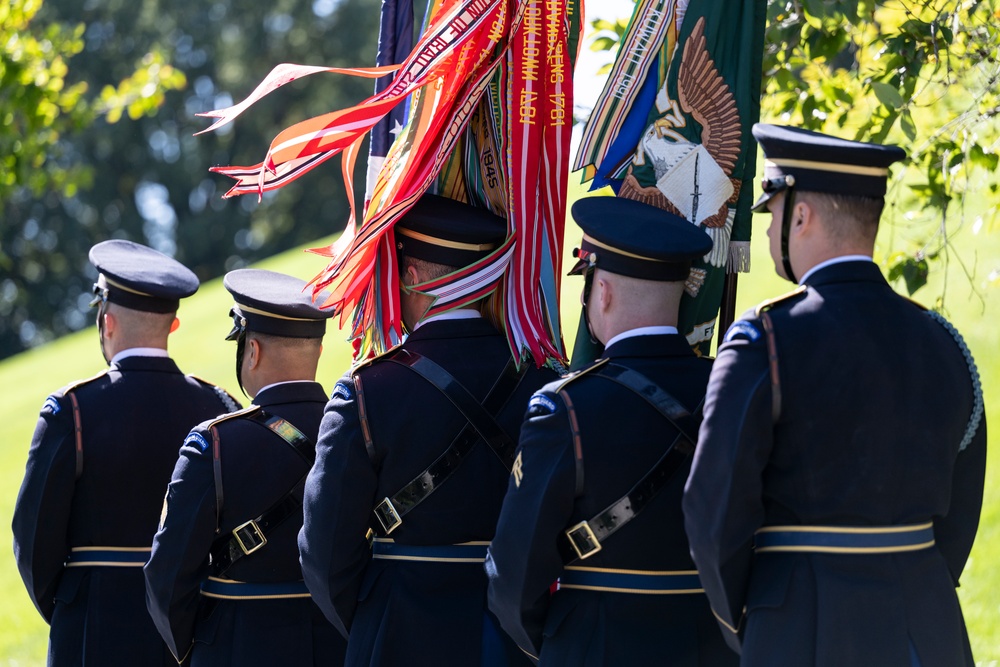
(854,216)
(429,270)
(282,341)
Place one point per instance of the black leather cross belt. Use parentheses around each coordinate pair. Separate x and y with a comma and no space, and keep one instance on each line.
(585,538)
(251,536)
(388,514)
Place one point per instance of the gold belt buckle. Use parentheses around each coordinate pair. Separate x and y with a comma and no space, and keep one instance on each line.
(387,516)
(583,540)
(254,532)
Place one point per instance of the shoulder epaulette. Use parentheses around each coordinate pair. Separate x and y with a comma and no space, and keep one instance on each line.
(368,362)
(231,415)
(228,400)
(79,383)
(915,303)
(202,380)
(580,373)
(770,303)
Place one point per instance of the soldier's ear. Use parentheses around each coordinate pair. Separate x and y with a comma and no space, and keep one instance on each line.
(252,353)
(805,214)
(605,295)
(110,323)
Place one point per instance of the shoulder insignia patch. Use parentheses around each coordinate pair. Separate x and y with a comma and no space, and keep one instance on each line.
(195,440)
(742,329)
(341,390)
(231,415)
(231,404)
(541,405)
(580,373)
(770,303)
(52,405)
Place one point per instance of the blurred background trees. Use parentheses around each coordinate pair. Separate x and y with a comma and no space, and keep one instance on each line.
(97,104)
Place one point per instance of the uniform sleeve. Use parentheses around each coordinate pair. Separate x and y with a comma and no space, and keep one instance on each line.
(523,559)
(337,504)
(180,558)
(723,504)
(956,532)
(42,510)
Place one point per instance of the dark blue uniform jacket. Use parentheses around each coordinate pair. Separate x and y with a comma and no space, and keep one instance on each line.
(621,438)
(258,469)
(133,417)
(406,612)
(876,397)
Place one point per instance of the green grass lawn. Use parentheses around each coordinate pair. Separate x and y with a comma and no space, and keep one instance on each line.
(199,348)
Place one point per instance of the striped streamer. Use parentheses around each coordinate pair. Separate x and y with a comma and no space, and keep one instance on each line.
(504,65)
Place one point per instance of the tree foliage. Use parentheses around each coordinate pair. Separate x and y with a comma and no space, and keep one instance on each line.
(920,73)
(85,177)
(42,111)
(923,74)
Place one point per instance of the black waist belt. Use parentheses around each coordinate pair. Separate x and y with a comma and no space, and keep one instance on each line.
(388,514)
(844,539)
(251,536)
(584,539)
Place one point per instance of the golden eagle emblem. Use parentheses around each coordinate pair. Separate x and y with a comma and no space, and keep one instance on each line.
(694,180)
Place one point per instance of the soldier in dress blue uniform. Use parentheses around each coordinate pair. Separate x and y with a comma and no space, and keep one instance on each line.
(400,454)
(595,496)
(838,480)
(100,461)
(223,582)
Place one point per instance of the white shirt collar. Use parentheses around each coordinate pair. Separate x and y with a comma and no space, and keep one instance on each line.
(831,262)
(460,314)
(139,352)
(641,331)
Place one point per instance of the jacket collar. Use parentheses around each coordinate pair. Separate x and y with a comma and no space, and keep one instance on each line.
(155,364)
(847,272)
(291,392)
(466,328)
(657,345)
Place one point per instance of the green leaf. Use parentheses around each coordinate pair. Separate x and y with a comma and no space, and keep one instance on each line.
(981,158)
(907,125)
(842,95)
(913,271)
(602,44)
(814,12)
(887,94)
(945,33)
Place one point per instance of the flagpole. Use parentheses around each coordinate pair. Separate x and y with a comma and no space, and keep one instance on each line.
(727,311)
